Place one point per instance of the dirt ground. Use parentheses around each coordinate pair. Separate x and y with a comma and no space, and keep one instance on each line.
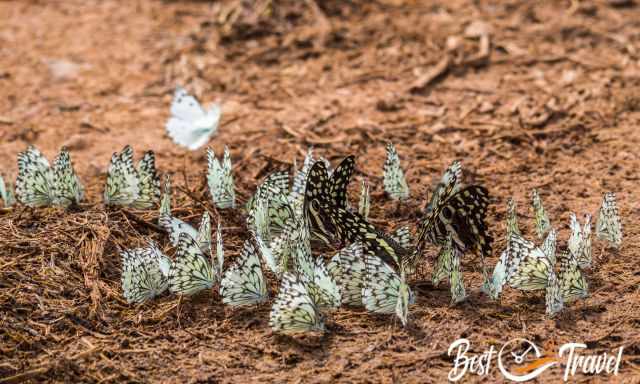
(527,94)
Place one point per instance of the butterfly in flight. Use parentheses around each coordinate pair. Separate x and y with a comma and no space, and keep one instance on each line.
(190,125)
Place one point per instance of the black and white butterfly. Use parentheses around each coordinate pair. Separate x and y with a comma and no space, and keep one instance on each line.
(220,179)
(294,309)
(145,273)
(130,186)
(244,283)
(608,226)
(39,184)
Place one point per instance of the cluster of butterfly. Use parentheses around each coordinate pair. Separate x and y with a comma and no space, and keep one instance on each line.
(39,185)
(370,269)
(528,267)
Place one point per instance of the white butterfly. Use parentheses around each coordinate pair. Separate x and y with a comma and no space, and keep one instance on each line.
(175,227)
(39,185)
(6,193)
(549,245)
(542,220)
(512,218)
(527,265)
(220,180)
(572,281)
(385,291)
(128,186)
(294,310)
(144,273)
(493,287)
(322,286)
(349,272)
(363,205)
(192,271)
(35,182)
(300,178)
(585,258)
(608,226)
(243,283)
(458,293)
(575,240)
(580,240)
(190,125)
(219,251)
(553,296)
(448,266)
(67,187)
(394,182)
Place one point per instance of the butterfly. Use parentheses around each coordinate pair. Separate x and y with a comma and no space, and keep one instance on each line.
(585,257)
(294,310)
(549,245)
(190,125)
(512,218)
(322,286)
(35,182)
(553,295)
(148,182)
(6,193)
(493,286)
(300,178)
(542,220)
(527,265)
(458,293)
(608,226)
(363,205)
(243,283)
(457,212)
(393,177)
(448,266)
(385,291)
(349,271)
(327,191)
(274,183)
(572,281)
(191,271)
(219,251)
(144,273)
(175,227)
(67,188)
(220,180)
(575,240)
(128,186)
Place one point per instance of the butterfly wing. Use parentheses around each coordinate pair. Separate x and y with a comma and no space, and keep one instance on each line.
(381,286)
(541,219)
(67,187)
(365,200)
(528,267)
(294,310)
(148,182)
(142,274)
(243,283)
(339,182)
(191,272)
(35,182)
(122,180)
(608,226)
(348,270)
(393,176)
(323,287)
(572,281)
(553,295)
